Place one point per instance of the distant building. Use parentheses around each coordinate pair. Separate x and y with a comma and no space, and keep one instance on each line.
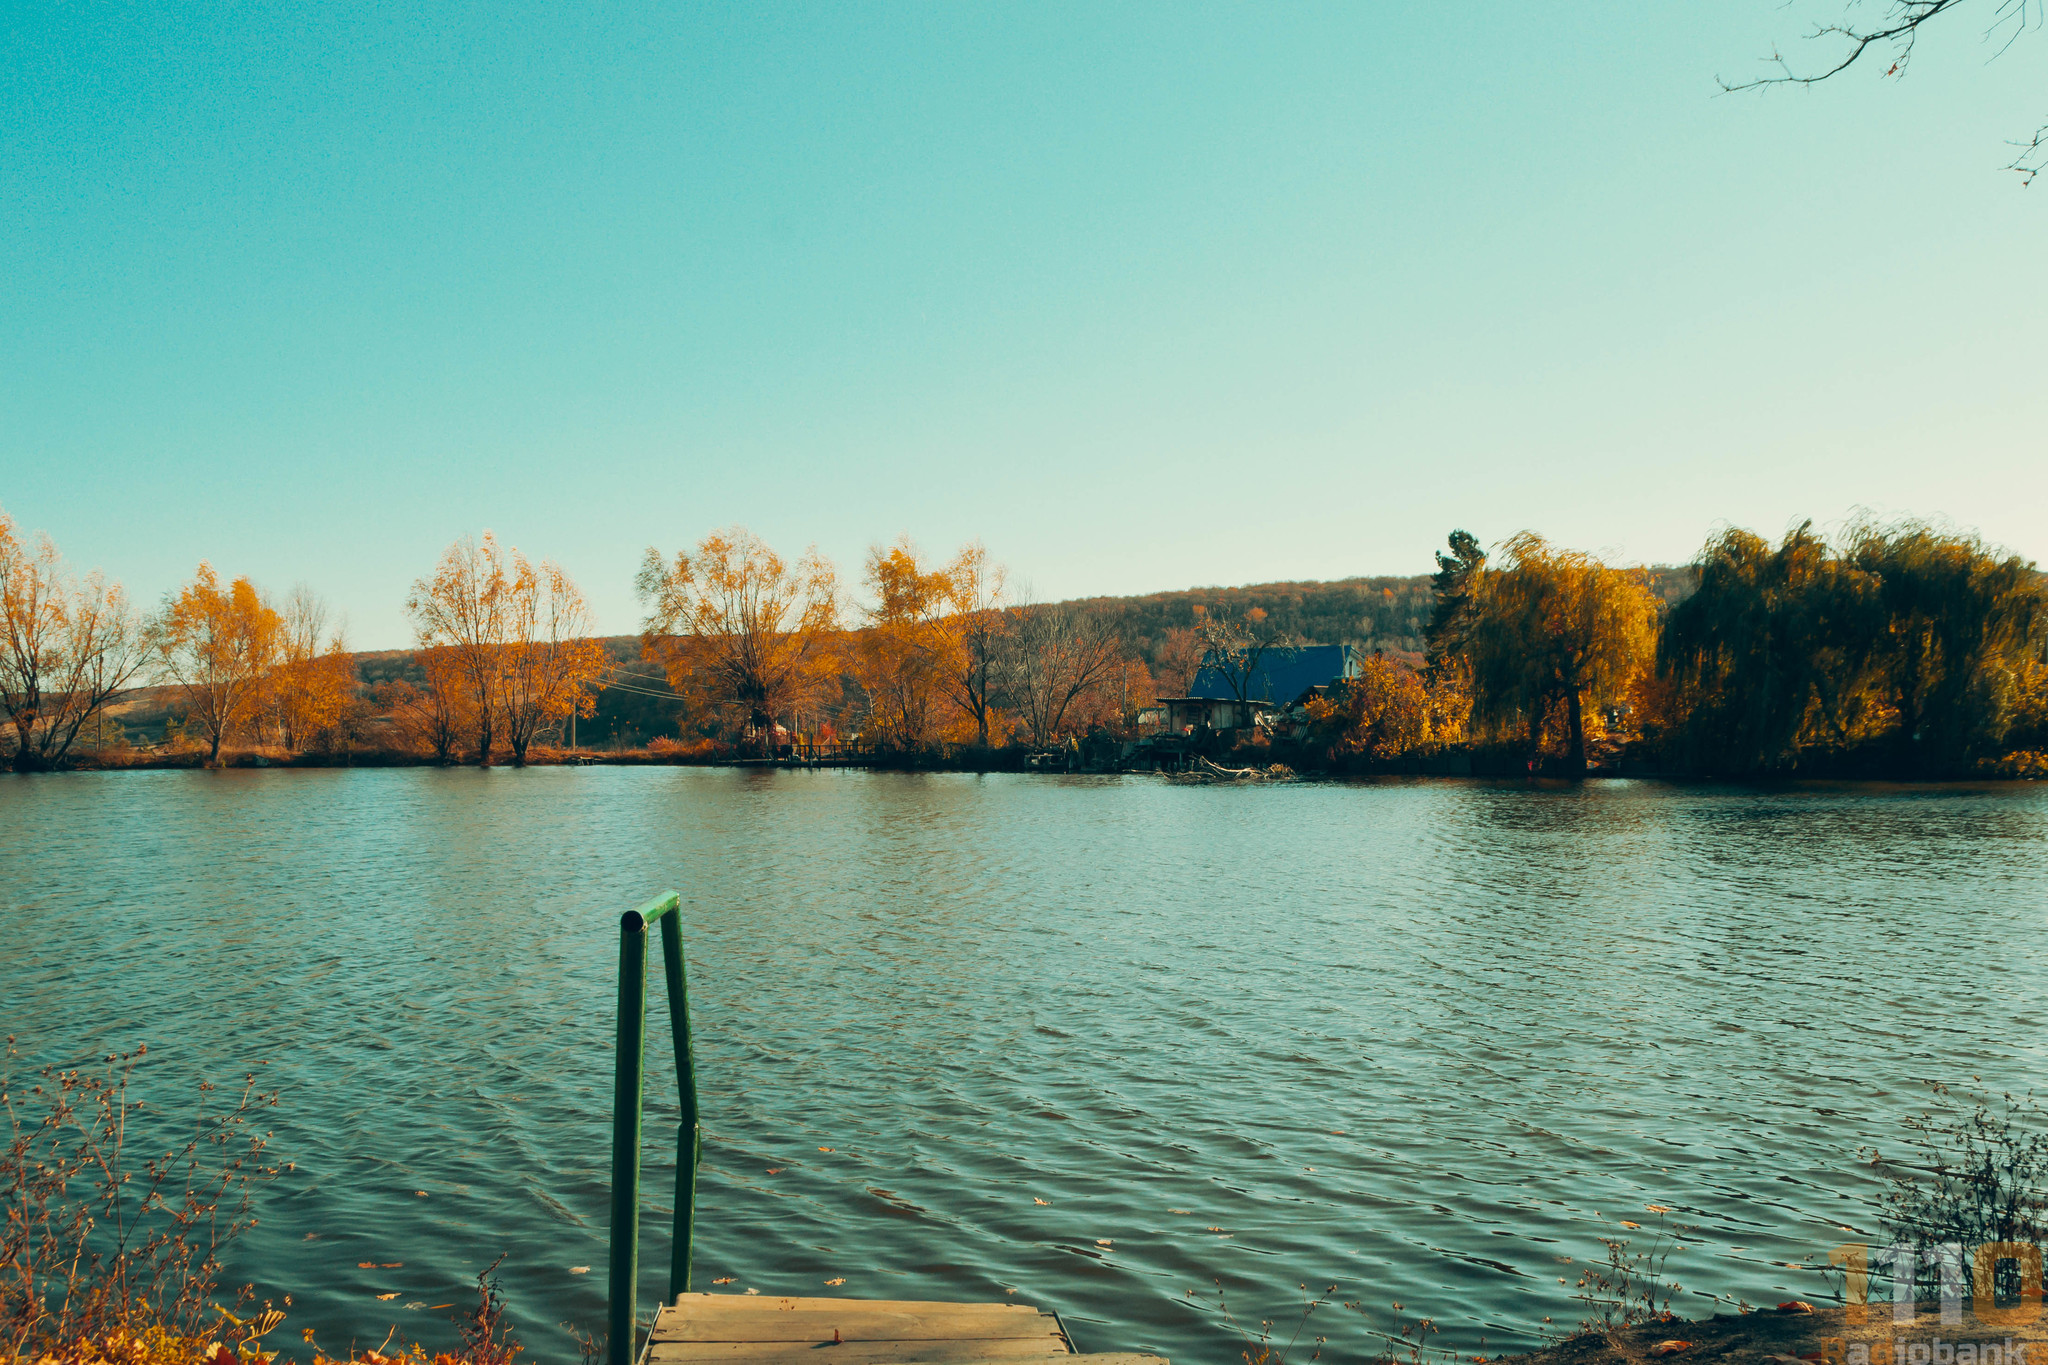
(1280,678)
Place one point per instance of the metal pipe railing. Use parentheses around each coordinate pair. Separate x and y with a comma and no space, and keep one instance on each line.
(629,1083)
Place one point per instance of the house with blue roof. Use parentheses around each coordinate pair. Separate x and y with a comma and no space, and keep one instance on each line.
(1280,677)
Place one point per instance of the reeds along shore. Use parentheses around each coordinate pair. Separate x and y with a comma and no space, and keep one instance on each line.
(1897,651)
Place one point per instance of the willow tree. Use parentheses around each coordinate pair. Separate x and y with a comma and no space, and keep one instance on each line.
(736,627)
(1959,627)
(1551,635)
(1772,654)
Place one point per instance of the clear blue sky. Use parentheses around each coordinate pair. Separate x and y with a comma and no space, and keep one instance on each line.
(1144,297)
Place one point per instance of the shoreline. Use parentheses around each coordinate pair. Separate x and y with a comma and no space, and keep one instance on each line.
(1822,1337)
(1452,767)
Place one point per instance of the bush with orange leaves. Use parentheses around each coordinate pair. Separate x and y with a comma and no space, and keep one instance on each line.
(1389,711)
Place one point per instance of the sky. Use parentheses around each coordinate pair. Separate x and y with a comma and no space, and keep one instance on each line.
(1141,296)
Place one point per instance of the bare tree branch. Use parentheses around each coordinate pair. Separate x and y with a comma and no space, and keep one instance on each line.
(1899,31)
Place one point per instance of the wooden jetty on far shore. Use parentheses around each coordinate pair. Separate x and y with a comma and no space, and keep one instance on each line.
(749,1329)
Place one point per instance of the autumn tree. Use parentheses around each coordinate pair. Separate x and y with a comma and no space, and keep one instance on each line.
(911,647)
(314,683)
(1059,654)
(438,718)
(550,662)
(71,647)
(1553,635)
(219,646)
(978,593)
(1176,660)
(1959,623)
(1384,712)
(735,627)
(1771,655)
(464,608)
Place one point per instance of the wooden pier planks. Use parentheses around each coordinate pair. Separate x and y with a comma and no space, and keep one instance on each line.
(747,1329)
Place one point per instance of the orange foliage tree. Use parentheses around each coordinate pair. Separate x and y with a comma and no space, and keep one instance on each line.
(550,662)
(910,649)
(462,609)
(439,718)
(737,628)
(514,639)
(312,687)
(219,645)
(70,648)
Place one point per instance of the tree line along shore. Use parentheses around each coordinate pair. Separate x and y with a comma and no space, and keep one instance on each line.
(1895,650)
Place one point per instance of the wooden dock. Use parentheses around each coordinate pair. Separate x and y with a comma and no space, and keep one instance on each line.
(749,1329)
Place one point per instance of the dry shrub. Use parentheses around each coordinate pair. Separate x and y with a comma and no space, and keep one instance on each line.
(103,1264)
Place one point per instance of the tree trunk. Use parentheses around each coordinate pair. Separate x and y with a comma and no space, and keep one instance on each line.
(1575,732)
(213,752)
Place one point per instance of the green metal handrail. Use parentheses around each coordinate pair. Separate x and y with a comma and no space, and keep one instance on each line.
(628,1087)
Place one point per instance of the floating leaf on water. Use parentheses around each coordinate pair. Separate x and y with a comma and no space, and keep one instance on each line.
(391,1265)
(824,1149)
(753,1291)
(392,1295)
(725,1279)
(1036,1200)
(838,1280)
(777,1170)
(1102,1241)
(415,1307)
(421,1193)
(1625,1223)
(1657,1208)
(1187,1211)
(1215,1229)
(366,1265)
(441,1305)
(579,1270)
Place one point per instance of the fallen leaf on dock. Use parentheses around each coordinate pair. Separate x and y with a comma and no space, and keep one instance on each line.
(579,1270)
(1670,1348)
(392,1295)
(840,1280)
(1795,1306)
(725,1279)
(1036,1200)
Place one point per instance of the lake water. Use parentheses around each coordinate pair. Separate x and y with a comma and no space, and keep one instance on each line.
(1091,1042)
